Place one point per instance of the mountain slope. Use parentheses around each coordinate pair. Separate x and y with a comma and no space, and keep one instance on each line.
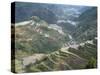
(24,11)
(87,27)
(81,58)
(54,37)
(39,37)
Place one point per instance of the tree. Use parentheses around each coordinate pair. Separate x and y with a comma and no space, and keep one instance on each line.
(92,63)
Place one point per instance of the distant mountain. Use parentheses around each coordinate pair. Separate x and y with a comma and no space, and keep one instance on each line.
(48,12)
(24,11)
(87,27)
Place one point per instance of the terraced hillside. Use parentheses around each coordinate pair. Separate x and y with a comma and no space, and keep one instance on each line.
(63,39)
(84,57)
(39,37)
